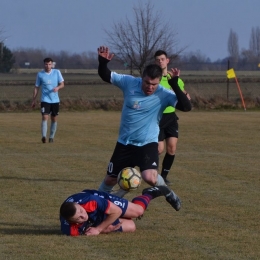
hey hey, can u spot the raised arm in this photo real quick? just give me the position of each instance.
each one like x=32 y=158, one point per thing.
x=184 y=103
x=104 y=56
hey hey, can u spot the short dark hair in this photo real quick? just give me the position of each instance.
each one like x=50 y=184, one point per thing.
x=152 y=71
x=67 y=210
x=47 y=60
x=159 y=53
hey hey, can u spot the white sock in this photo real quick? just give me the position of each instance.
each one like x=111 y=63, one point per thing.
x=104 y=187
x=120 y=193
x=53 y=129
x=44 y=128
x=160 y=181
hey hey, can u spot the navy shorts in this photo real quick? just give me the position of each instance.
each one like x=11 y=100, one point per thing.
x=50 y=108
x=168 y=126
x=145 y=157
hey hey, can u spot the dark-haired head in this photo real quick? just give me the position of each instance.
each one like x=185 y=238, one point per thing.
x=67 y=210
x=152 y=71
x=47 y=60
x=151 y=78
x=159 y=53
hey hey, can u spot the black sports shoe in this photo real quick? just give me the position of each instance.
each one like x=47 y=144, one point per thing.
x=44 y=139
x=174 y=200
x=50 y=140
x=170 y=196
x=156 y=191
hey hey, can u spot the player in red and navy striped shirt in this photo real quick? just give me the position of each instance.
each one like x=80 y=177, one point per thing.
x=92 y=212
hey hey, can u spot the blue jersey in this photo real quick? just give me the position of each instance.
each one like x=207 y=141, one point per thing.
x=141 y=113
x=96 y=203
x=49 y=81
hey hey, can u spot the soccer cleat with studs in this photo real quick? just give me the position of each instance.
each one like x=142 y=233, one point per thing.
x=174 y=200
x=156 y=191
x=170 y=196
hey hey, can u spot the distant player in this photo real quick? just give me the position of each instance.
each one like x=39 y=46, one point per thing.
x=93 y=212
x=51 y=81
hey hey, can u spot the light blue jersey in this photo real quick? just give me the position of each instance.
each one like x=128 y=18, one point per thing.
x=49 y=81
x=141 y=113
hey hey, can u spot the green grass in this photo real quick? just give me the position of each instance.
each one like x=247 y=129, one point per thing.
x=216 y=174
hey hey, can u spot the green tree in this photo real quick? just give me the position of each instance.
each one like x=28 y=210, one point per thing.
x=7 y=59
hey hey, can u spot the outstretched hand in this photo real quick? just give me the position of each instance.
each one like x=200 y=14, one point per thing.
x=174 y=72
x=103 y=51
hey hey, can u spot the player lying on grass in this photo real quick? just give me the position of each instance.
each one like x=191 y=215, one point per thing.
x=93 y=212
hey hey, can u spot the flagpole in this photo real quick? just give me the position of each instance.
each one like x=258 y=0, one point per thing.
x=241 y=96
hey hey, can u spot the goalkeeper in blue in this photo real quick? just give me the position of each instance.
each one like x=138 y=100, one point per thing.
x=144 y=102
x=93 y=212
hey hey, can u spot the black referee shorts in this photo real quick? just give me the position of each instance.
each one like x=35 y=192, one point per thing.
x=168 y=126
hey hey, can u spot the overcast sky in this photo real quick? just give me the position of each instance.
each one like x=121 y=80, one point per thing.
x=78 y=26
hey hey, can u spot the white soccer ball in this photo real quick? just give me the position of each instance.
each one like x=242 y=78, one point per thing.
x=129 y=179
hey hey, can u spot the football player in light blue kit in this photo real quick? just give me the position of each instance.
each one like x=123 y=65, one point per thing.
x=51 y=81
x=144 y=102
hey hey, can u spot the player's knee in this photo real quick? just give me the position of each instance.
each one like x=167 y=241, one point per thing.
x=160 y=151
x=171 y=150
x=131 y=227
x=150 y=176
x=160 y=147
x=110 y=181
x=139 y=211
x=128 y=226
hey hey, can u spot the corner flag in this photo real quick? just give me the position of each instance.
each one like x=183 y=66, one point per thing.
x=231 y=74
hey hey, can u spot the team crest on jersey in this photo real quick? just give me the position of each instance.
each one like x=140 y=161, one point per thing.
x=137 y=105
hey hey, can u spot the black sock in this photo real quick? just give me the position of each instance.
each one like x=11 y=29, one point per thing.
x=167 y=164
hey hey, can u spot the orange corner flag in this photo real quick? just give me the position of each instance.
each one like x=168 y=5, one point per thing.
x=231 y=74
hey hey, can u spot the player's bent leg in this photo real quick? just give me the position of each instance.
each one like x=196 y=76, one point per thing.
x=134 y=210
x=160 y=147
x=44 y=126
x=120 y=193
x=127 y=225
x=171 y=144
x=53 y=128
x=150 y=176
x=107 y=184
x=169 y=194
x=156 y=191
x=160 y=181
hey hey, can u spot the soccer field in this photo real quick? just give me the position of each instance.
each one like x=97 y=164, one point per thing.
x=216 y=175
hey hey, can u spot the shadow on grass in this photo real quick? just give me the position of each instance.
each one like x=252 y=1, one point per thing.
x=25 y=229
x=40 y=179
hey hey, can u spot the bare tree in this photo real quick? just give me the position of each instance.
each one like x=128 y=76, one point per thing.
x=134 y=43
x=254 y=43
x=233 y=47
x=1 y=42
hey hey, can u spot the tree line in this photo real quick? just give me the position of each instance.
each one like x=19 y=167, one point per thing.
x=245 y=59
x=134 y=44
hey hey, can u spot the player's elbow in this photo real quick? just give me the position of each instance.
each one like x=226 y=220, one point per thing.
x=184 y=107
